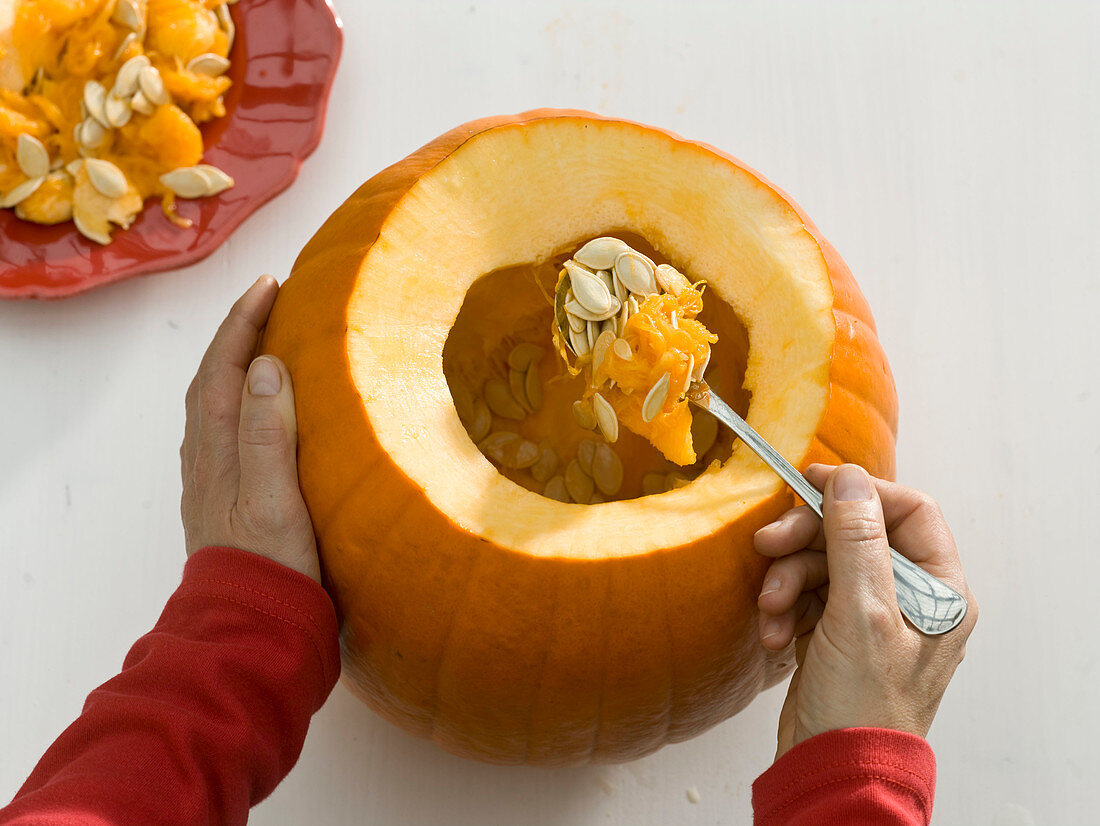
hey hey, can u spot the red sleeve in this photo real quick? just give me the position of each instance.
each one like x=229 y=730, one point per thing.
x=209 y=712
x=856 y=775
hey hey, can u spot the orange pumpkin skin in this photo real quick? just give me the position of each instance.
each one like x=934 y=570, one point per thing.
x=501 y=656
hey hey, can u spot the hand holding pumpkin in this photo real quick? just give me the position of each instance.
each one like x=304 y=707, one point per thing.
x=831 y=588
x=240 y=479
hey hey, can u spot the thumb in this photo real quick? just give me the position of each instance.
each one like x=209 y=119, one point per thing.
x=267 y=438
x=856 y=547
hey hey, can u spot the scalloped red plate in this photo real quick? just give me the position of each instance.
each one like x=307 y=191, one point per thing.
x=283 y=62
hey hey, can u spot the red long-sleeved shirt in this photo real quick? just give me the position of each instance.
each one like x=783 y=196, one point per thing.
x=211 y=709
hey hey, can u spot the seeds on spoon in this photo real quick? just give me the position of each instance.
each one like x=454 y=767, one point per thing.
x=636 y=272
x=655 y=398
x=589 y=290
x=600 y=253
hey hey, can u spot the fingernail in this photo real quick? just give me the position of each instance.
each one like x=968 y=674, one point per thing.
x=771 y=586
x=770 y=629
x=851 y=484
x=264 y=378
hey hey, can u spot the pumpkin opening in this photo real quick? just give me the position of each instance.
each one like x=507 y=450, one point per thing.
x=516 y=397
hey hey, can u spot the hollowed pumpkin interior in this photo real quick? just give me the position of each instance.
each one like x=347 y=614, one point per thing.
x=513 y=305
x=449 y=284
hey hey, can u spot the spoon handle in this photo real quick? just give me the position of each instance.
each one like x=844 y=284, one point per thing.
x=929 y=603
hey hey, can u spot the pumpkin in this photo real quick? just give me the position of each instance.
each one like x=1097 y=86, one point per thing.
x=502 y=624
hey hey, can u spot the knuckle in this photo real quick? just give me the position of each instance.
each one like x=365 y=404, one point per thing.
x=267 y=432
x=858 y=527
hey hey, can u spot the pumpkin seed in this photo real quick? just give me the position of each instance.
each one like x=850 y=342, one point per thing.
x=578 y=341
x=185 y=182
x=524 y=354
x=515 y=384
x=226 y=22
x=216 y=180
x=606 y=418
x=152 y=86
x=609 y=326
x=72 y=167
x=509 y=450
x=127 y=41
x=546 y=464
x=586 y=452
x=532 y=386
x=588 y=290
x=593 y=333
x=701 y=367
x=90 y=133
x=608 y=280
x=481 y=422
x=498 y=395
x=636 y=272
x=600 y=253
x=574 y=307
x=634 y=306
x=556 y=489
x=596 y=499
x=23 y=190
x=117 y=110
x=208 y=64
x=607 y=470
x=106 y=177
x=704 y=432
x=88 y=232
x=126 y=81
x=673 y=481
x=622 y=349
x=653 y=483
x=620 y=290
x=655 y=398
x=32 y=156
x=671 y=280
x=687 y=375
x=139 y=103
x=576 y=323
x=599 y=349
x=128 y=13
x=94 y=100
x=578 y=483
x=582 y=412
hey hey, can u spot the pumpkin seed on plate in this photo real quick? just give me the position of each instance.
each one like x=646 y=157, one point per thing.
x=152 y=86
x=208 y=64
x=23 y=190
x=94 y=100
x=32 y=157
x=126 y=81
x=139 y=103
x=107 y=178
x=186 y=182
x=117 y=110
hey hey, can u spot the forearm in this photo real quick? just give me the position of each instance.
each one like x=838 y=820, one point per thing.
x=210 y=710
x=869 y=776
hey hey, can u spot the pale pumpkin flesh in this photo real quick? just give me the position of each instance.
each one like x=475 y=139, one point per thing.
x=504 y=625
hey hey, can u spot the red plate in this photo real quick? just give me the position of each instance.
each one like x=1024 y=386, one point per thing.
x=283 y=62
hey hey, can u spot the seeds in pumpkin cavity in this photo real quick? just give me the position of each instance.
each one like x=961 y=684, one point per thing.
x=653 y=483
x=509 y=450
x=481 y=420
x=127 y=13
x=556 y=489
x=139 y=103
x=95 y=97
x=32 y=156
x=600 y=253
x=208 y=64
x=704 y=432
x=126 y=81
x=586 y=452
x=655 y=398
x=605 y=417
x=106 y=177
x=636 y=272
x=117 y=110
x=582 y=412
x=599 y=349
x=24 y=190
x=578 y=340
x=498 y=395
x=546 y=464
x=532 y=386
x=607 y=470
x=622 y=349
x=596 y=499
x=671 y=280
x=152 y=86
x=464 y=403
x=676 y=480
x=578 y=483
x=523 y=354
x=515 y=384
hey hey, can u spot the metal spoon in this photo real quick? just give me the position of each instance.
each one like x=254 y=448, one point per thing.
x=929 y=603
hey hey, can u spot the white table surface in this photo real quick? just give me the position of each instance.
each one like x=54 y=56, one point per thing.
x=950 y=151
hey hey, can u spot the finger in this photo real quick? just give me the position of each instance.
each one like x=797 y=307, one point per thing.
x=776 y=632
x=267 y=438
x=857 y=550
x=798 y=528
x=915 y=525
x=787 y=578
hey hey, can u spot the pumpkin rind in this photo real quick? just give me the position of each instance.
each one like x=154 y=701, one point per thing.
x=506 y=657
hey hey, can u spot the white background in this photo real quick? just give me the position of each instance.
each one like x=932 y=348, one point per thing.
x=951 y=152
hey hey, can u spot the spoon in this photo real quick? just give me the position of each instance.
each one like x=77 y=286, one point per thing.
x=929 y=603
